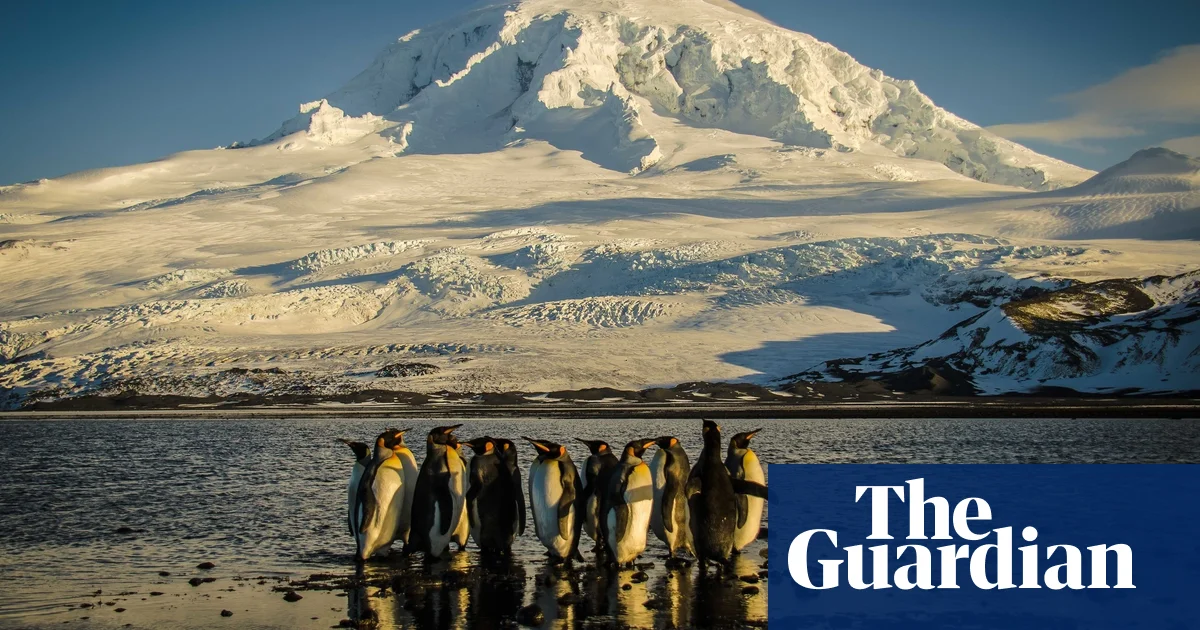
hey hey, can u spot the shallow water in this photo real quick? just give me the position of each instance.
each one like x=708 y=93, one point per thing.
x=266 y=498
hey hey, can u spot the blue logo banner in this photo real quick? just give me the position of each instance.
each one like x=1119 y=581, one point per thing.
x=984 y=546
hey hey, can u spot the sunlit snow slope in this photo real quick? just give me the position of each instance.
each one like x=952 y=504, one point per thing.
x=548 y=195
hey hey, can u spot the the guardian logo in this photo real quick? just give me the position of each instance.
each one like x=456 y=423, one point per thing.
x=981 y=547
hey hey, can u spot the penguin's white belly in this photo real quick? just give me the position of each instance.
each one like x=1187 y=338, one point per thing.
x=389 y=496
x=439 y=542
x=410 y=472
x=545 y=491
x=658 y=473
x=748 y=533
x=639 y=497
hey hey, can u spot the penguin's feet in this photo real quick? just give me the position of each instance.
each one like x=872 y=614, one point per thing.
x=677 y=563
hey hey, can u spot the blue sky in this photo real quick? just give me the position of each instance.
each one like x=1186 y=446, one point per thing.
x=90 y=84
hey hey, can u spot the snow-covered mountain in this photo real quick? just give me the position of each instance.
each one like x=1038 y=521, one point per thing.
x=1112 y=336
x=586 y=75
x=1154 y=194
x=1147 y=172
x=546 y=196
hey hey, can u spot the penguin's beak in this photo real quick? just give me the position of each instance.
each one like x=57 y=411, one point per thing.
x=446 y=430
x=541 y=447
x=753 y=433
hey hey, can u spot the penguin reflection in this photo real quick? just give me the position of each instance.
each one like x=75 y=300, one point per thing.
x=675 y=588
x=496 y=594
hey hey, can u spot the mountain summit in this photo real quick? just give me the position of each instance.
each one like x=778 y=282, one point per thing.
x=608 y=78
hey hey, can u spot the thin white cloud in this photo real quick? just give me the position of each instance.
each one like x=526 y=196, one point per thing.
x=1189 y=145
x=1166 y=91
x=1066 y=130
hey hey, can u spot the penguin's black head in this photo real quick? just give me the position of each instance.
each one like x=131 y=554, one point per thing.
x=547 y=450
x=508 y=450
x=360 y=449
x=392 y=438
x=712 y=434
x=442 y=435
x=597 y=447
x=665 y=442
x=482 y=445
x=637 y=448
x=742 y=440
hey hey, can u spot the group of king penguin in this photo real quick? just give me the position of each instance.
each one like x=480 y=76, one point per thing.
x=711 y=510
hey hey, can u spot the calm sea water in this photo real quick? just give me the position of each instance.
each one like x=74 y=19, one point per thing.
x=266 y=497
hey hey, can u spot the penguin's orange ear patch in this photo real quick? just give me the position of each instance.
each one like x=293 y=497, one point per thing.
x=488 y=447
x=562 y=451
x=674 y=441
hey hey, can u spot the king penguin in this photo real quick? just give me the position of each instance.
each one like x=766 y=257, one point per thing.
x=554 y=489
x=595 y=480
x=491 y=506
x=440 y=494
x=669 y=521
x=508 y=451
x=378 y=513
x=362 y=459
x=743 y=464
x=712 y=502
x=629 y=502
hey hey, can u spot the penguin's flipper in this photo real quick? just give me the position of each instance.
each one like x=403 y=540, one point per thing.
x=444 y=501
x=622 y=512
x=693 y=487
x=367 y=501
x=622 y=509
x=749 y=488
x=569 y=481
x=520 y=492
x=743 y=510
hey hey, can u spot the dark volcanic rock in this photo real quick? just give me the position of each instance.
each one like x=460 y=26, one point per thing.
x=639 y=577
x=196 y=581
x=750 y=590
x=226 y=613
x=292 y=596
x=205 y=566
x=404 y=370
x=124 y=530
x=593 y=394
